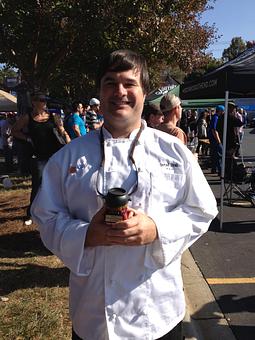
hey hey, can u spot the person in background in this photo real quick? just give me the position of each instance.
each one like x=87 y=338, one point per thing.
x=125 y=277
x=170 y=106
x=245 y=118
x=7 y=140
x=202 y=133
x=239 y=130
x=215 y=140
x=232 y=142
x=94 y=117
x=192 y=122
x=184 y=121
x=75 y=124
x=83 y=115
x=40 y=125
x=153 y=116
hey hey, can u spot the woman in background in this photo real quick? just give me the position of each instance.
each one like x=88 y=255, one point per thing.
x=40 y=126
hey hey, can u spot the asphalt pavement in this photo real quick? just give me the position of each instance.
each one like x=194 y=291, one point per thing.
x=219 y=269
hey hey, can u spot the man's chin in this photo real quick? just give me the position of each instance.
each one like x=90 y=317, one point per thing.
x=120 y=113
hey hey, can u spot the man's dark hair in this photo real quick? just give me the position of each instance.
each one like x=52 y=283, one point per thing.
x=75 y=105
x=124 y=60
x=150 y=109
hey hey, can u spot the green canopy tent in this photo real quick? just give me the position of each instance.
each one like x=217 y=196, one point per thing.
x=171 y=85
x=156 y=96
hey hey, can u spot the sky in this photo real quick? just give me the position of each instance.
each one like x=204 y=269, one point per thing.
x=232 y=18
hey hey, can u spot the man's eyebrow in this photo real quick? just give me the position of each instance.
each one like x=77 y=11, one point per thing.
x=109 y=77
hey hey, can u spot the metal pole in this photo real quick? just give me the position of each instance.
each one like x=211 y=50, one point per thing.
x=223 y=157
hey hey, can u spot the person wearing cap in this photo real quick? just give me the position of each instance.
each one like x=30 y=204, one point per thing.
x=153 y=116
x=40 y=125
x=94 y=119
x=125 y=277
x=215 y=140
x=75 y=124
x=170 y=106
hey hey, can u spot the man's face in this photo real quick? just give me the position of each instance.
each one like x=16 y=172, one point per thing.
x=156 y=120
x=96 y=108
x=122 y=99
x=80 y=108
x=39 y=103
x=178 y=112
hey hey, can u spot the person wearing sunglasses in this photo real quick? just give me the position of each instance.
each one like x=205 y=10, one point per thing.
x=37 y=129
x=125 y=277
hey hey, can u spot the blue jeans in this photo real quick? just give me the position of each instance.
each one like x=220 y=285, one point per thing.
x=216 y=156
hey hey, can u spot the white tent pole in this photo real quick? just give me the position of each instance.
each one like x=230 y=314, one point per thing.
x=223 y=157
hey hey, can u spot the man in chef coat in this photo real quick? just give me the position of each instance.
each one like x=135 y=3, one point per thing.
x=125 y=278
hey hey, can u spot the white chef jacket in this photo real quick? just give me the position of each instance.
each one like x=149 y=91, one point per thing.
x=124 y=292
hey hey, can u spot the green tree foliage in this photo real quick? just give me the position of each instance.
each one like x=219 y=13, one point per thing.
x=57 y=44
x=210 y=64
x=236 y=47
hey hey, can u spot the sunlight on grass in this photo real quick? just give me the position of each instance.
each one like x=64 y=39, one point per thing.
x=33 y=282
x=39 y=313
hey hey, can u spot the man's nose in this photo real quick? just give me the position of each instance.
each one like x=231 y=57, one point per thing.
x=120 y=90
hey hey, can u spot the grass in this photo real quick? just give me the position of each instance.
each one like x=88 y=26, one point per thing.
x=33 y=282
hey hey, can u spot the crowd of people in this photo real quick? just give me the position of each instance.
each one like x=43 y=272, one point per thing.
x=29 y=137
x=38 y=133
x=202 y=132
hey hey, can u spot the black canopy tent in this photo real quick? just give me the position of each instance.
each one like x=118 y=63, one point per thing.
x=236 y=76
x=234 y=79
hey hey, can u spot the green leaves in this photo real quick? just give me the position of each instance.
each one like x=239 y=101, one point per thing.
x=58 y=44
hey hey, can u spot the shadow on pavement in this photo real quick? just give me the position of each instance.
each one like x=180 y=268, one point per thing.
x=233 y=227
x=229 y=304
x=244 y=332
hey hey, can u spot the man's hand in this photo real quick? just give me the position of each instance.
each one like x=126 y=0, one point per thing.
x=138 y=229
x=97 y=231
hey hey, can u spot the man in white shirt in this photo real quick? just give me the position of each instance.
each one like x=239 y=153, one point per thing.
x=125 y=280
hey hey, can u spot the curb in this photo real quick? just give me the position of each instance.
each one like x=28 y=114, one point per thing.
x=204 y=319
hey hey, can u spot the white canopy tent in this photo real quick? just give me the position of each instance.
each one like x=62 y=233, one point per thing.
x=7 y=102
